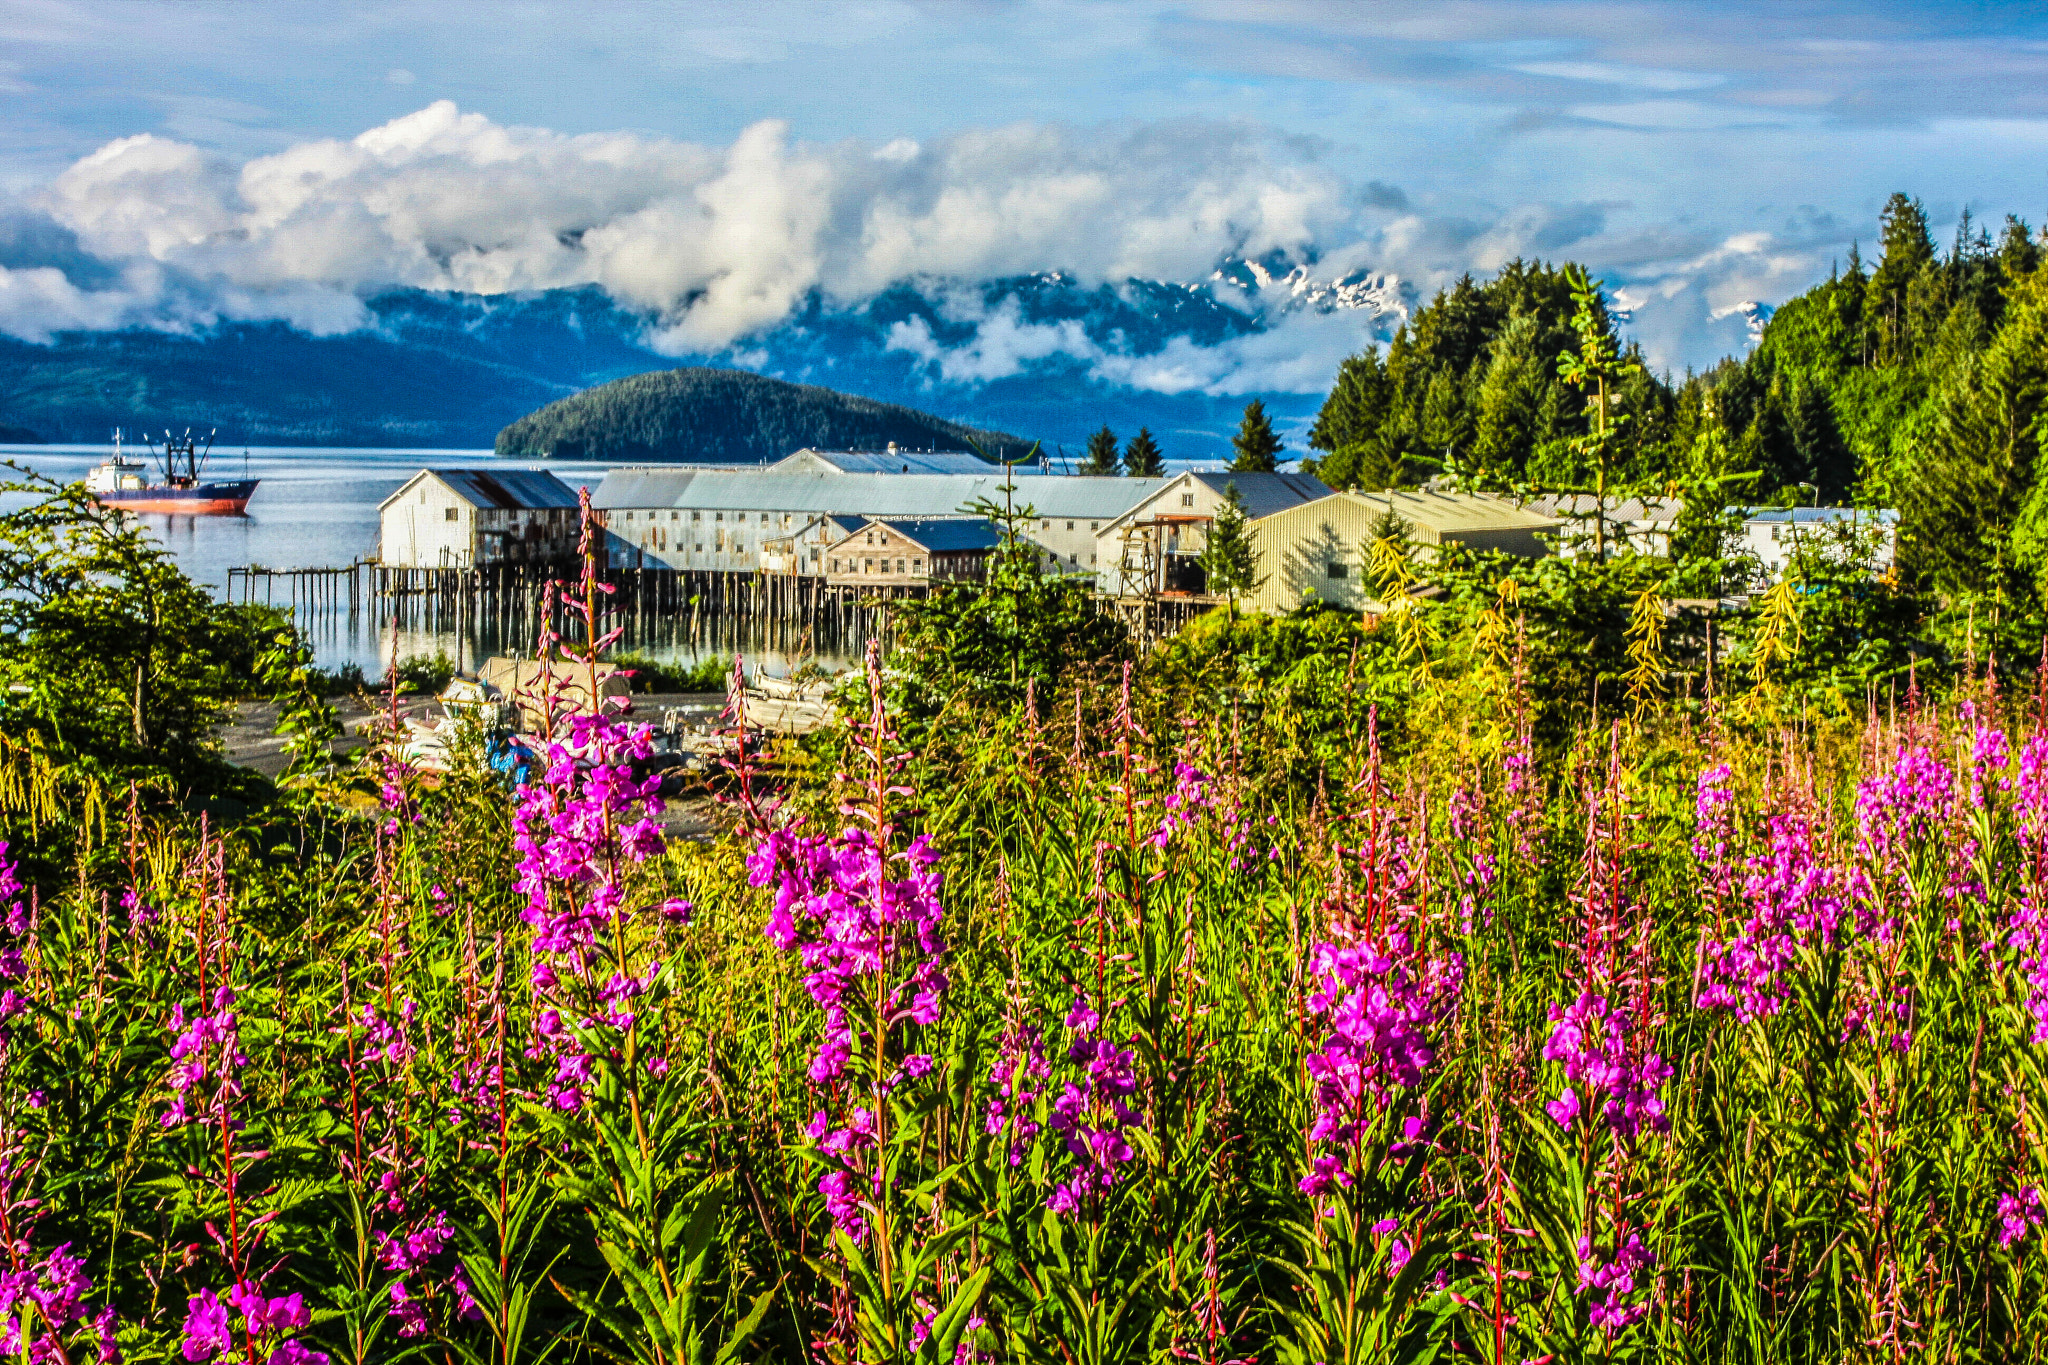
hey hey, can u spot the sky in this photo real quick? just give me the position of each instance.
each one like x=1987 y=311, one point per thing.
x=175 y=164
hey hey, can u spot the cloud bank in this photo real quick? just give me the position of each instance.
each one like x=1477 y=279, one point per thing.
x=716 y=244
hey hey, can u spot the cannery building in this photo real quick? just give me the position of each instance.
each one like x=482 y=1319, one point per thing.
x=743 y=520
x=467 y=518
x=913 y=553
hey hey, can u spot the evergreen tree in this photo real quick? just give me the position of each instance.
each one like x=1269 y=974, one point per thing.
x=1908 y=250
x=1596 y=368
x=1257 y=445
x=1142 y=459
x=1101 y=457
x=1357 y=406
x=1230 y=562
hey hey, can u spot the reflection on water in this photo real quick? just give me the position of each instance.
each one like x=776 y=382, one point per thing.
x=317 y=508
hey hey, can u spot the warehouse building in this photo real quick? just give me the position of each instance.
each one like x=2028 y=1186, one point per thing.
x=913 y=553
x=694 y=518
x=891 y=461
x=467 y=518
x=1318 y=551
x=1155 y=547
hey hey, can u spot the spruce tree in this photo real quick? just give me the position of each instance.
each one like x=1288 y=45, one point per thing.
x=1230 y=562
x=1142 y=459
x=1258 y=447
x=1101 y=457
x=1908 y=252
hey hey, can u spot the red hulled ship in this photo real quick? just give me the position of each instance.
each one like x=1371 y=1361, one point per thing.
x=123 y=483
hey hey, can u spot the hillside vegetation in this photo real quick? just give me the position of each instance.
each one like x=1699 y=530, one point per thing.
x=1915 y=382
x=728 y=416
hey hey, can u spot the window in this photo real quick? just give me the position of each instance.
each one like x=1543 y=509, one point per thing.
x=629 y=516
x=700 y=547
x=917 y=566
x=1339 y=569
x=867 y=566
x=1070 y=526
x=814 y=557
x=1187 y=500
x=719 y=517
x=899 y=566
x=1091 y=561
x=452 y=514
x=1095 y=526
x=675 y=516
x=871 y=537
x=1045 y=526
x=835 y=563
x=696 y=516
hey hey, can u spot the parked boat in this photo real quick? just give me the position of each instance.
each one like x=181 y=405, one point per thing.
x=122 y=482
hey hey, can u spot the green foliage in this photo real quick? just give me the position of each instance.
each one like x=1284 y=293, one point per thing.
x=1230 y=562
x=422 y=674
x=1102 y=458
x=109 y=655
x=1142 y=458
x=1256 y=444
x=730 y=415
x=708 y=674
x=981 y=644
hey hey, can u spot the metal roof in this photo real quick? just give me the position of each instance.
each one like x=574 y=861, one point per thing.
x=867 y=495
x=1265 y=494
x=510 y=489
x=941 y=534
x=895 y=462
x=1818 y=515
x=1455 y=511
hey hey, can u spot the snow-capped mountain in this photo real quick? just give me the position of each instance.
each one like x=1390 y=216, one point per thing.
x=1047 y=355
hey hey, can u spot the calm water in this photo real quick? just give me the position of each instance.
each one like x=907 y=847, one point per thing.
x=317 y=508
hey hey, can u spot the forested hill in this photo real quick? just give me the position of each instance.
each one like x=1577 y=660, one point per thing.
x=1916 y=382
x=729 y=416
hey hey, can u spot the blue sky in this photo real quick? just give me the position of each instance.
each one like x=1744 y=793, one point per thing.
x=172 y=163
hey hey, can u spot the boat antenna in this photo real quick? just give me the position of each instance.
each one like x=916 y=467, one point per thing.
x=164 y=460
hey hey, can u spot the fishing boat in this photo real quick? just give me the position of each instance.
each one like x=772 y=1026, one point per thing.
x=121 y=482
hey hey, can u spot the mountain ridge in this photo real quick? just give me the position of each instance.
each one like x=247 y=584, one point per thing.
x=441 y=369
x=726 y=416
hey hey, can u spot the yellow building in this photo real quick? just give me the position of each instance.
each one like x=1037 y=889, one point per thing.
x=1318 y=550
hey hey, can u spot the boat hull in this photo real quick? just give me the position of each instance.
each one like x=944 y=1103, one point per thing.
x=199 y=500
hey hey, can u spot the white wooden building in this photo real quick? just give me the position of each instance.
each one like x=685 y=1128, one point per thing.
x=1773 y=534
x=745 y=519
x=1154 y=546
x=466 y=518
x=913 y=552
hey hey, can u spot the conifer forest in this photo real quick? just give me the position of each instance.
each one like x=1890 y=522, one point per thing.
x=1536 y=970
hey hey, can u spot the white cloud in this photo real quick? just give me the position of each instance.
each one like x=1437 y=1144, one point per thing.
x=719 y=243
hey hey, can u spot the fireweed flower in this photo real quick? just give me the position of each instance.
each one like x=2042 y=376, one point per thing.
x=1093 y=1113
x=208 y=1048
x=1616 y=1279
x=1018 y=1076
x=1794 y=901
x=44 y=1302
x=873 y=960
x=2027 y=929
x=579 y=827
x=1901 y=816
x=1478 y=869
x=2018 y=1214
x=1601 y=1056
x=266 y=1325
x=1379 y=1003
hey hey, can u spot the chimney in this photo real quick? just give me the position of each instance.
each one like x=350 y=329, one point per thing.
x=892 y=447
